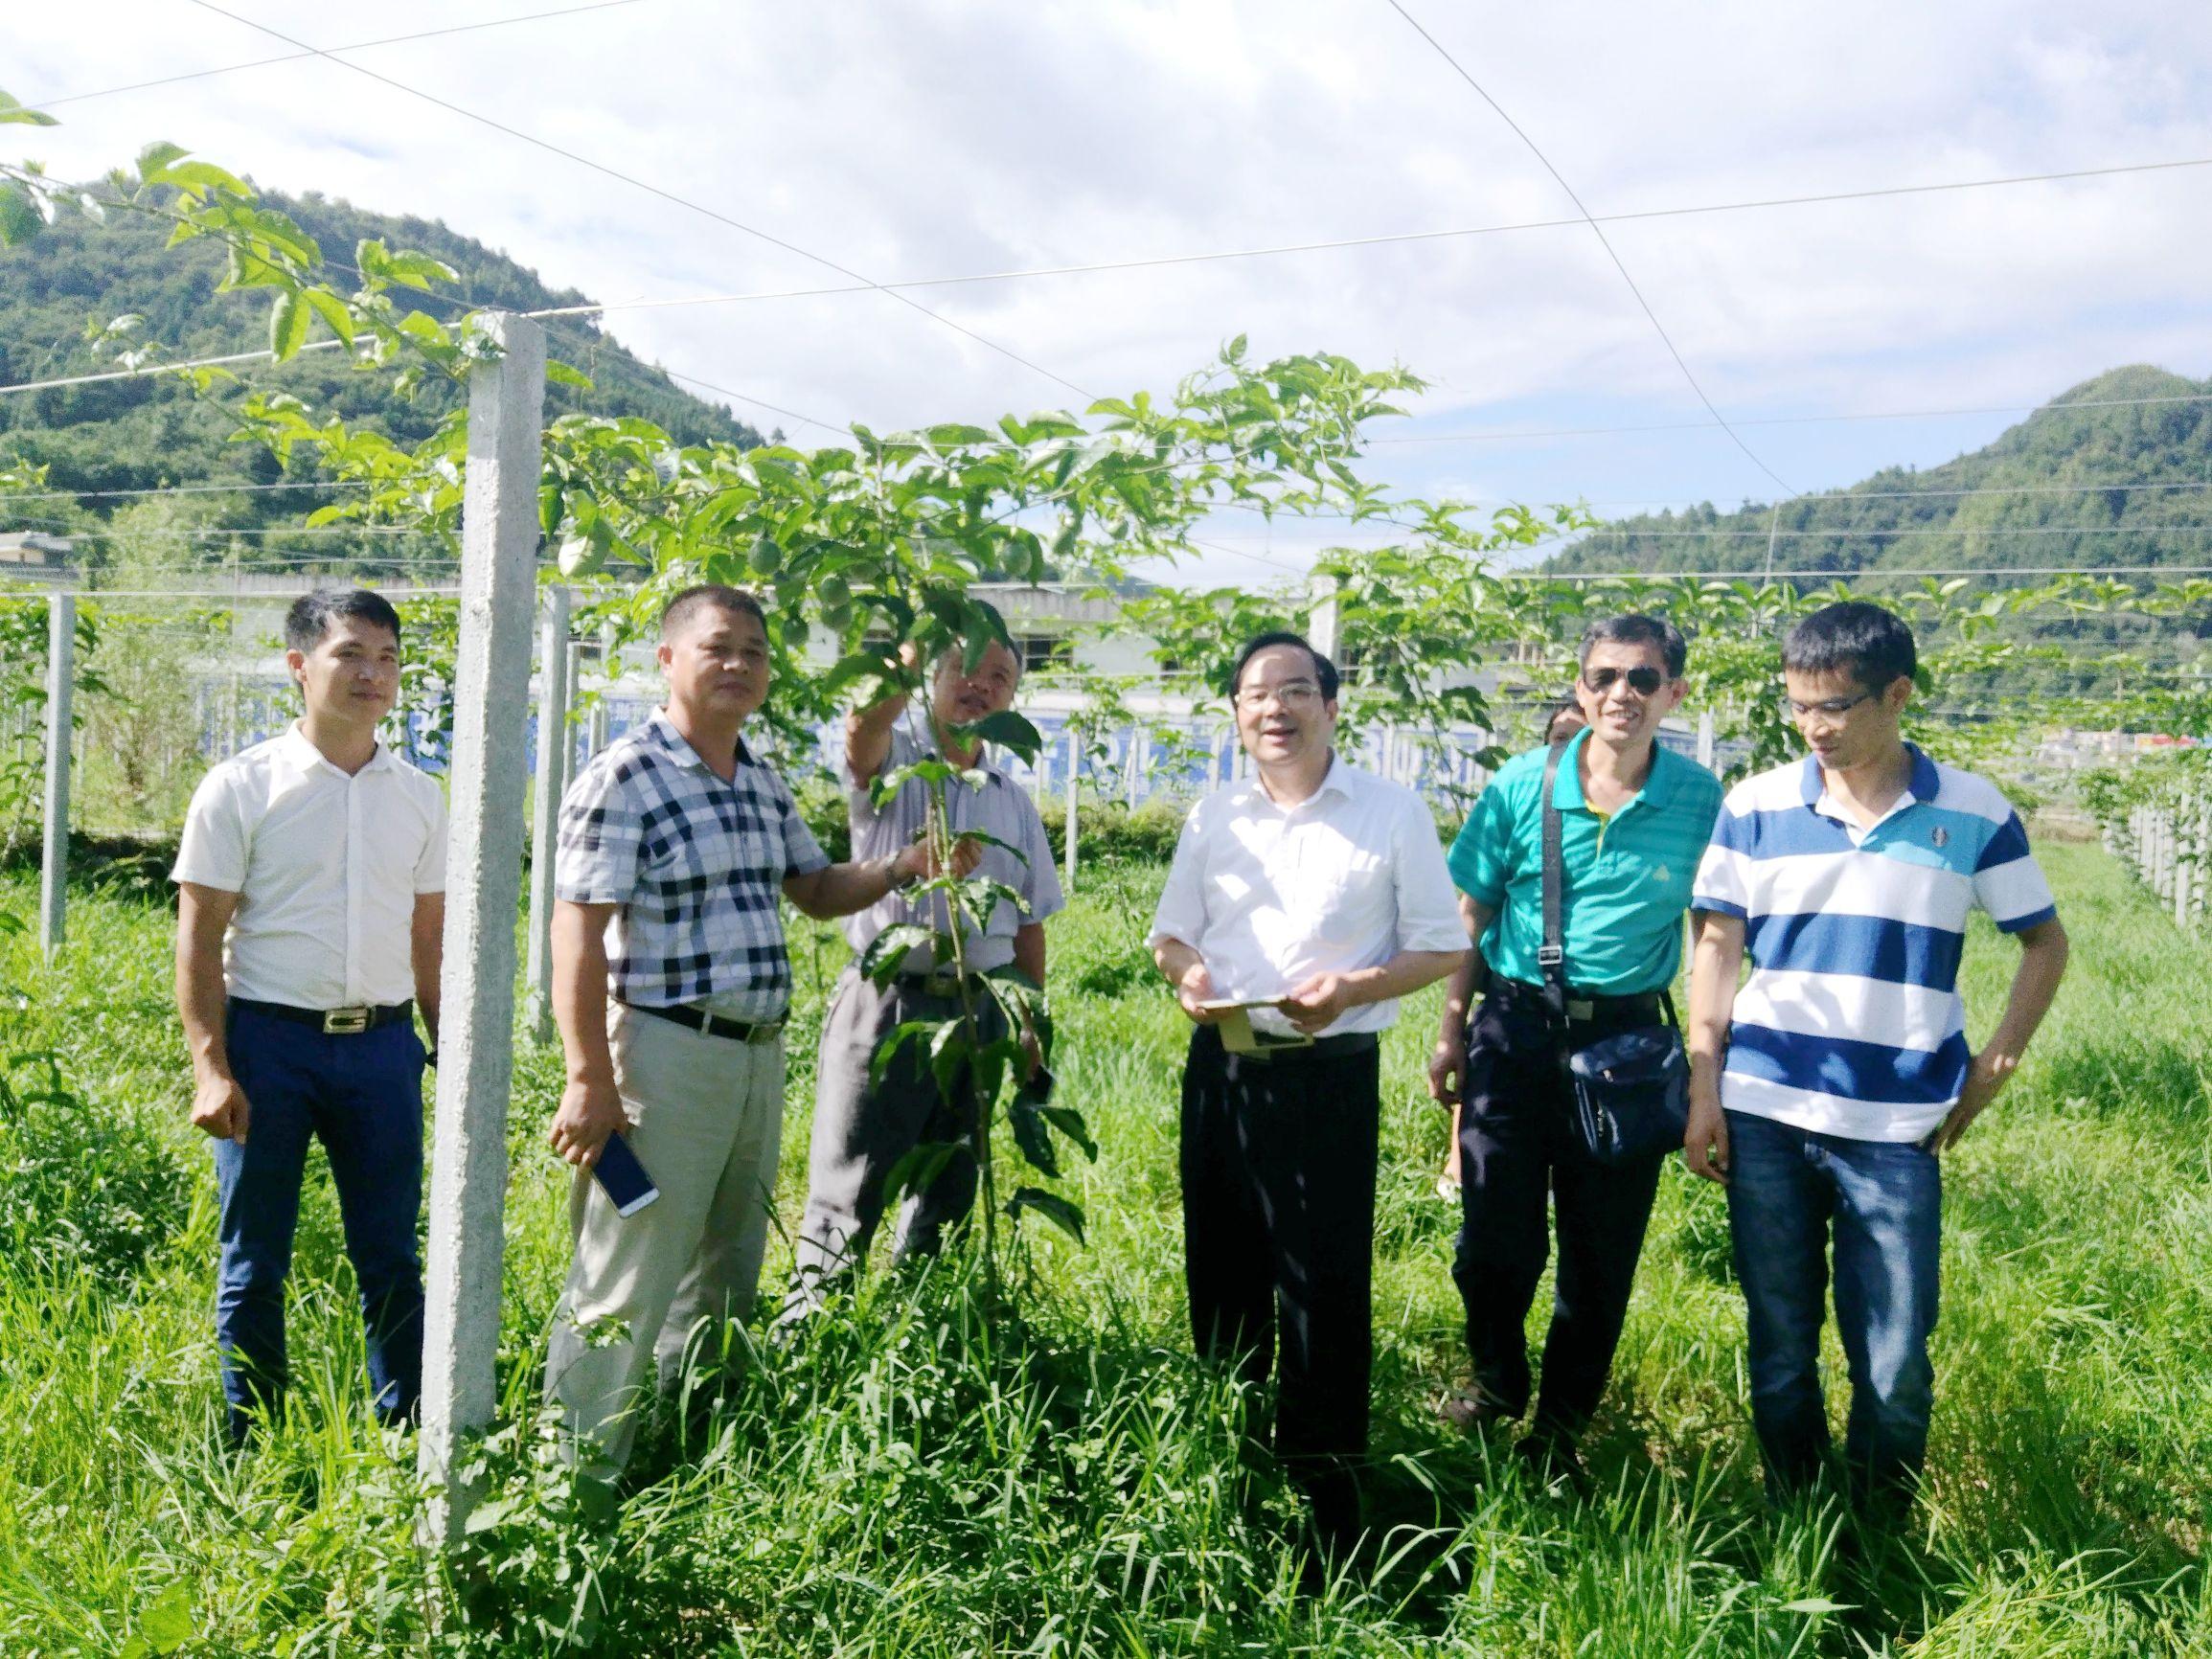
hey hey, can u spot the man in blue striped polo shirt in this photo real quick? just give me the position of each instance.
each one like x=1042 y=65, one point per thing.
x=1847 y=878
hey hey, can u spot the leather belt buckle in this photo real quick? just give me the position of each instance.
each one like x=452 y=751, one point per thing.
x=765 y=1033
x=1581 y=1008
x=346 y=1021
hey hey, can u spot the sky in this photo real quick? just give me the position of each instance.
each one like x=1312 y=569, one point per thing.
x=947 y=138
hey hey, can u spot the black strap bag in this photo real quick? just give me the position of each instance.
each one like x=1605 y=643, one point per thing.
x=1632 y=1087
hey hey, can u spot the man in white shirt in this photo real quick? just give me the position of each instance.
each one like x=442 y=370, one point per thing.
x=1317 y=893
x=310 y=909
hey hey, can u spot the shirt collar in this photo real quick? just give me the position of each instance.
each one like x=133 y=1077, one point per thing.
x=1338 y=780
x=662 y=730
x=1659 y=785
x=1922 y=786
x=302 y=753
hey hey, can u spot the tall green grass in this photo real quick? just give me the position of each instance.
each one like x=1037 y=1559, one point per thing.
x=910 y=1477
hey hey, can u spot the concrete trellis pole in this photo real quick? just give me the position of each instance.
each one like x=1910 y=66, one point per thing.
x=53 y=859
x=1707 y=739
x=483 y=877
x=569 y=702
x=1321 y=629
x=1074 y=787
x=545 y=808
x=609 y=669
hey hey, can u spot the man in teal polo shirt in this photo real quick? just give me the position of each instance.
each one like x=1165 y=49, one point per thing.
x=1636 y=818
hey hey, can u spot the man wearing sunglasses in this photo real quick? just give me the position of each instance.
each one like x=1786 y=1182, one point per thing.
x=1635 y=817
x=1822 y=1090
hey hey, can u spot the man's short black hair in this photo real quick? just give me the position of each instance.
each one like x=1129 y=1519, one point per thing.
x=1324 y=670
x=311 y=615
x=708 y=596
x=1638 y=629
x=1853 y=637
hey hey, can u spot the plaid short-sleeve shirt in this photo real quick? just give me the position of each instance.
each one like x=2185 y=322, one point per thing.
x=694 y=868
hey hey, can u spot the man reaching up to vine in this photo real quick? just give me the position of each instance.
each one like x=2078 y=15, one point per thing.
x=863 y=1125
x=1301 y=905
x=669 y=985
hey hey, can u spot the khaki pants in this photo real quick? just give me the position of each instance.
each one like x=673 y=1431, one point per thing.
x=706 y=1120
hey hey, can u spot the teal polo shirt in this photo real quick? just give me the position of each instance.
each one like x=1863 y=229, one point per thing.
x=1628 y=879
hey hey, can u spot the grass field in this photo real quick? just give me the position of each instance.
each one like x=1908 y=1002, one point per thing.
x=911 y=1479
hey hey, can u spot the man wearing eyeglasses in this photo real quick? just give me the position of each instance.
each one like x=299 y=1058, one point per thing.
x=1822 y=1091
x=1301 y=905
x=1635 y=817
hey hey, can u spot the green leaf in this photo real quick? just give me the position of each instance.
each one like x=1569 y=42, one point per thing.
x=1063 y=1214
x=289 y=325
x=20 y=219
x=333 y=310
x=1069 y=1122
x=1010 y=730
x=1815 y=1604
x=561 y=375
x=1034 y=1137
x=14 y=114
x=167 y=1625
x=156 y=156
x=904 y=1033
x=918 y=1170
x=886 y=952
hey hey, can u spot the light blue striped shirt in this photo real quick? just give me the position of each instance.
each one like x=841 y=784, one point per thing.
x=1850 y=1022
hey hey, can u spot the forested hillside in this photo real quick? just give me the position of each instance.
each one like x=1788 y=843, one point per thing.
x=78 y=276
x=2150 y=463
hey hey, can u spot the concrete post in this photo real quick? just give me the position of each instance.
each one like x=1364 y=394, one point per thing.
x=1133 y=767
x=1707 y=739
x=1321 y=630
x=545 y=811
x=609 y=669
x=568 y=733
x=483 y=887
x=1074 y=787
x=53 y=858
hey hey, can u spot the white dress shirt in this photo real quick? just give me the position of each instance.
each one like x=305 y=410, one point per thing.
x=325 y=868
x=1270 y=895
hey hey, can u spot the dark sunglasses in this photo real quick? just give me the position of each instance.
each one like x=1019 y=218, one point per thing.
x=1644 y=682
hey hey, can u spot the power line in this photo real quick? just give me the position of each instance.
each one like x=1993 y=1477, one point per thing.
x=1863 y=573
x=240 y=488
x=1508 y=433
x=1915 y=530
x=1331 y=244
x=1597 y=230
x=356 y=46
x=650 y=189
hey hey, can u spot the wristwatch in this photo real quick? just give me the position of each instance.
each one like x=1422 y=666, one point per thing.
x=897 y=883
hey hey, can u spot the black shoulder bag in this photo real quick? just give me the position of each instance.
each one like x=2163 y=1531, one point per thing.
x=1632 y=1087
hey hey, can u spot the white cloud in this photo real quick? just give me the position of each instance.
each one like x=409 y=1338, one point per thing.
x=944 y=136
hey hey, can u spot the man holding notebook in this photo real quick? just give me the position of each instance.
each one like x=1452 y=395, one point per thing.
x=1301 y=903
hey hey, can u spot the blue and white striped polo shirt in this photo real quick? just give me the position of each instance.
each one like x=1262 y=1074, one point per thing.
x=1850 y=1022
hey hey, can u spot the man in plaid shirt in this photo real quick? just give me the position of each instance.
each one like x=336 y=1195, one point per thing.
x=671 y=984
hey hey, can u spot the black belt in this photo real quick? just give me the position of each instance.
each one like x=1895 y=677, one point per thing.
x=1327 y=1048
x=1589 y=1008
x=334 y=1021
x=714 y=1025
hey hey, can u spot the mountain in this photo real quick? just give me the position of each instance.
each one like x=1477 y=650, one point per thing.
x=2074 y=488
x=140 y=433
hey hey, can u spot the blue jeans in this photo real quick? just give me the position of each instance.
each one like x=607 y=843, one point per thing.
x=1786 y=1186
x=362 y=1095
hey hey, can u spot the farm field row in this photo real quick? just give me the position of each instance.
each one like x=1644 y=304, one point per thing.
x=908 y=1478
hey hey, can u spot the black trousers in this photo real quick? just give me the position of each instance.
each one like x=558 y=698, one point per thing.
x=1516 y=1144
x=1278 y=1169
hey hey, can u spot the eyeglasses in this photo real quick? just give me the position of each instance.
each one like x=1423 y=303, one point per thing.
x=1833 y=708
x=1644 y=682
x=1297 y=694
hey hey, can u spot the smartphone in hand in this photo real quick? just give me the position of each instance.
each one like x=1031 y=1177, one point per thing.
x=623 y=1178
